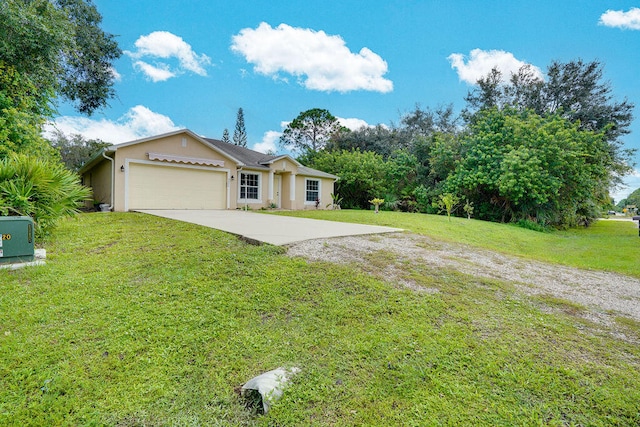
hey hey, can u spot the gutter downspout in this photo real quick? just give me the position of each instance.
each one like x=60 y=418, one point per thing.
x=113 y=176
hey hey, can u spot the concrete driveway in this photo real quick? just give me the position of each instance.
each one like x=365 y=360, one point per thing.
x=273 y=229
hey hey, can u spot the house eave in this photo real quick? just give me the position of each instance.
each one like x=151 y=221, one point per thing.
x=96 y=159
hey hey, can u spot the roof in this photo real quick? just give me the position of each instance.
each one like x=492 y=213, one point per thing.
x=303 y=170
x=247 y=157
x=257 y=160
x=244 y=157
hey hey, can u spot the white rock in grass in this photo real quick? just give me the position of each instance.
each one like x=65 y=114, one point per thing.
x=269 y=385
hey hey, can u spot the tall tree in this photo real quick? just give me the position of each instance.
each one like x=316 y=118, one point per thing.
x=574 y=91
x=75 y=150
x=311 y=131
x=49 y=50
x=58 y=47
x=379 y=139
x=225 y=136
x=240 y=134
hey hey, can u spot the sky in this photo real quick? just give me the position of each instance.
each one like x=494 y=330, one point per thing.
x=192 y=64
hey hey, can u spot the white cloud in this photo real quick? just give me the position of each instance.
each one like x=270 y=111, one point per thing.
x=138 y=122
x=618 y=19
x=319 y=61
x=354 y=124
x=269 y=142
x=156 y=74
x=165 y=45
x=481 y=62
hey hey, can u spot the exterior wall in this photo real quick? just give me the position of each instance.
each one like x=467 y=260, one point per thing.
x=99 y=180
x=180 y=144
x=326 y=191
x=326 y=188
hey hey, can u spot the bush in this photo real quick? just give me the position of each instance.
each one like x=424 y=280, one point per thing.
x=39 y=188
x=531 y=225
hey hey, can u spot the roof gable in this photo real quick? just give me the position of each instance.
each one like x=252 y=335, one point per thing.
x=283 y=157
x=198 y=138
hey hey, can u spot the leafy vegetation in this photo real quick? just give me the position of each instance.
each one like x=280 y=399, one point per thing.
x=632 y=200
x=138 y=320
x=20 y=128
x=362 y=174
x=521 y=166
x=310 y=131
x=39 y=188
x=57 y=47
x=49 y=49
x=447 y=203
x=524 y=149
x=75 y=150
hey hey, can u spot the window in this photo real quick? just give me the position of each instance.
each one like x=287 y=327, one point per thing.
x=312 y=190
x=249 y=186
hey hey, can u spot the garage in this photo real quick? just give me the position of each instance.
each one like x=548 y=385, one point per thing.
x=170 y=186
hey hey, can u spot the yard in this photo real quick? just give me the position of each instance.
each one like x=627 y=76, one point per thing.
x=138 y=320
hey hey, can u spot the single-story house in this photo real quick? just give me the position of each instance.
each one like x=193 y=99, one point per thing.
x=181 y=170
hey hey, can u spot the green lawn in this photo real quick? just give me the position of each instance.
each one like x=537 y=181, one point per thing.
x=142 y=321
x=606 y=245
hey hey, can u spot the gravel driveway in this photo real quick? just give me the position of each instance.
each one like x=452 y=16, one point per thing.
x=603 y=294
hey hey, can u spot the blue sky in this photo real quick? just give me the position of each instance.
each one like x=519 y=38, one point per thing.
x=192 y=64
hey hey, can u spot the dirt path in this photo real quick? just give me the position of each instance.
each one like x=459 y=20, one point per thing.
x=604 y=294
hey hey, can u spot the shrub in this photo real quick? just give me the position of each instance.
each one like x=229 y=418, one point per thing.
x=39 y=188
x=531 y=225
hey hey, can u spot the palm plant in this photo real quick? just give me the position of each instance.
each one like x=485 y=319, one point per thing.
x=39 y=188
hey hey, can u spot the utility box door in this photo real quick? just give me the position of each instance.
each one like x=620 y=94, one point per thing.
x=16 y=239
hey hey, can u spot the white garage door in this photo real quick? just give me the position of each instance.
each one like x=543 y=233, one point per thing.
x=175 y=187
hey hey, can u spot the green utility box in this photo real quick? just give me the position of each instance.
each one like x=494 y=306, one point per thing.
x=16 y=239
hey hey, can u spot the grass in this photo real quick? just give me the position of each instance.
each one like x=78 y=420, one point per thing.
x=606 y=245
x=142 y=321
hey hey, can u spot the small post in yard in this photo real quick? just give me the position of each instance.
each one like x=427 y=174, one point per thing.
x=637 y=218
x=376 y=202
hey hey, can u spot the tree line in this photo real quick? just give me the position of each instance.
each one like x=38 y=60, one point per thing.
x=523 y=149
